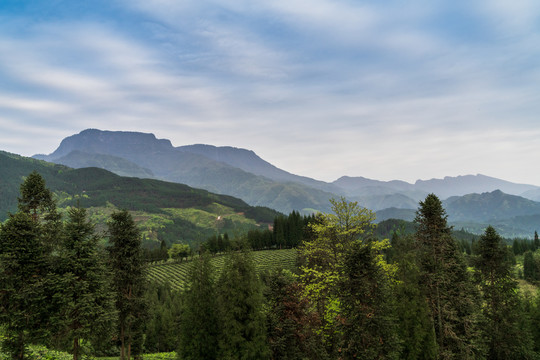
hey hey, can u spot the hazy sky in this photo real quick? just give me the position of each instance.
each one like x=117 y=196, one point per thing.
x=321 y=88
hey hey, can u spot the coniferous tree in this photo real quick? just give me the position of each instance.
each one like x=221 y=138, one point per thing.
x=415 y=328
x=86 y=289
x=292 y=325
x=240 y=303
x=367 y=309
x=23 y=269
x=530 y=270
x=199 y=325
x=28 y=264
x=450 y=294
x=507 y=339
x=129 y=279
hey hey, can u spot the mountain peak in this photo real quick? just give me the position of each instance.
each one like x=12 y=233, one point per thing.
x=107 y=142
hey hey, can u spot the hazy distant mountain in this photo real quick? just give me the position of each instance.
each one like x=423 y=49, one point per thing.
x=248 y=161
x=443 y=188
x=78 y=159
x=533 y=194
x=468 y=184
x=243 y=174
x=380 y=202
x=189 y=166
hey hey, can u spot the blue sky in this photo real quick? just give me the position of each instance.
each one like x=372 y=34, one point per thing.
x=323 y=88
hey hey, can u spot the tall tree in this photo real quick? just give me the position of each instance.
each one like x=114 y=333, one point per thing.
x=415 y=327
x=367 y=309
x=451 y=296
x=199 y=325
x=322 y=257
x=86 y=289
x=240 y=303
x=507 y=339
x=22 y=276
x=129 y=279
x=27 y=265
x=292 y=324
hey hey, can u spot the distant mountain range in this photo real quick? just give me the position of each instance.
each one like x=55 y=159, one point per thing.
x=243 y=174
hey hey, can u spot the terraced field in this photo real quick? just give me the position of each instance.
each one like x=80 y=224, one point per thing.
x=176 y=273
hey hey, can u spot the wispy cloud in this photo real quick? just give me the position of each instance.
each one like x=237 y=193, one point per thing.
x=322 y=88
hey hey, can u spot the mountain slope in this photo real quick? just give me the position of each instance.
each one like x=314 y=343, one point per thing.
x=489 y=207
x=250 y=162
x=164 y=210
x=120 y=166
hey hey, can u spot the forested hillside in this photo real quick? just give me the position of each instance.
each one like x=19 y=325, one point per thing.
x=179 y=212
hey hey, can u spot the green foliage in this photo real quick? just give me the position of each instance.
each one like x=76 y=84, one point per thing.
x=415 y=326
x=87 y=298
x=367 y=311
x=199 y=322
x=128 y=280
x=240 y=304
x=23 y=271
x=506 y=338
x=179 y=251
x=447 y=285
x=323 y=255
x=291 y=322
x=161 y=327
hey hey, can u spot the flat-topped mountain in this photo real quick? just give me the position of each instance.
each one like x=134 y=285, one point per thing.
x=197 y=166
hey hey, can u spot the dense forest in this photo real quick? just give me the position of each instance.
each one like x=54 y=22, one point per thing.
x=358 y=290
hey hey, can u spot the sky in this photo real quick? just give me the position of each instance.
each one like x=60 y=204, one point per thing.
x=386 y=90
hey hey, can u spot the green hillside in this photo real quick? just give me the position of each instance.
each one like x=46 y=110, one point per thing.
x=164 y=211
x=176 y=273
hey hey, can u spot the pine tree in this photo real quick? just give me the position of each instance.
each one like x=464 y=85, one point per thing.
x=367 y=310
x=28 y=278
x=23 y=268
x=507 y=339
x=240 y=303
x=86 y=289
x=444 y=278
x=129 y=279
x=415 y=328
x=199 y=325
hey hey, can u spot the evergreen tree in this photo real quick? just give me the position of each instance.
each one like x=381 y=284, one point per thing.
x=367 y=310
x=530 y=270
x=451 y=297
x=29 y=282
x=507 y=339
x=292 y=325
x=415 y=327
x=23 y=268
x=35 y=198
x=199 y=325
x=240 y=303
x=129 y=279
x=86 y=290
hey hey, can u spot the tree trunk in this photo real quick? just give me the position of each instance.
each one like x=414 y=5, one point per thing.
x=76 y=349
x=122 y=345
